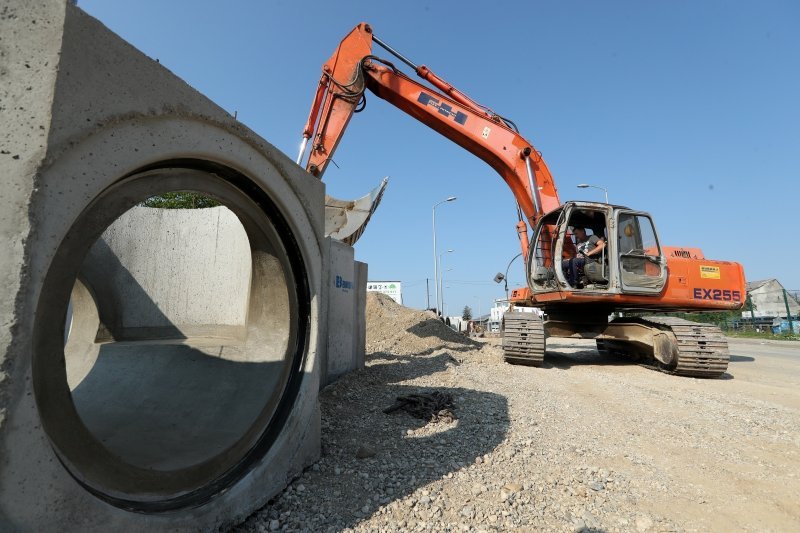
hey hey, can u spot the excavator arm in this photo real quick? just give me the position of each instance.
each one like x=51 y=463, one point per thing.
x=352 y=69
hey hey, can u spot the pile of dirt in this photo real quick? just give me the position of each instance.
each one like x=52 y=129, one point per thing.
x=393 y=328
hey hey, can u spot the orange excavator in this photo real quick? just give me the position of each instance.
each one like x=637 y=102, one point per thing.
x=626 y=270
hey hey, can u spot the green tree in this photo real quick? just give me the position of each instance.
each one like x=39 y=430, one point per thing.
x=180 y=200
x=467 y=314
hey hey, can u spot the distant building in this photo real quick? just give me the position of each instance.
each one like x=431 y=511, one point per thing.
x=392 y=289
x=498 y=310
x=768 y=302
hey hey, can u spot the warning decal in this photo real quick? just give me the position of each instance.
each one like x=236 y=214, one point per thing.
x=709 y=272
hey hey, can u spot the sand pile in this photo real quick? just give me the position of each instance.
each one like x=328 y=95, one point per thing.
x=392 y=328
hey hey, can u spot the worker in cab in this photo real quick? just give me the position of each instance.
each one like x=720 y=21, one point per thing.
x=589 y=248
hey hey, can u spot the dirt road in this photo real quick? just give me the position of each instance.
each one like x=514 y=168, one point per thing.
x=585 y=443
x=719 y=455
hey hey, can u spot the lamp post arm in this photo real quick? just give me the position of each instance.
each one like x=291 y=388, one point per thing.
x=507 y=269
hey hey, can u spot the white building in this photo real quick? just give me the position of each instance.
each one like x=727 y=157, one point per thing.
x=392 y=289
x=767 y=296
x=498 y=310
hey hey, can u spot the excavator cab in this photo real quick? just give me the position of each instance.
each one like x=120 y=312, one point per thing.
x=631 y=262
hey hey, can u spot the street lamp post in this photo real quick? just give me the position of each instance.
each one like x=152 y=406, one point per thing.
x=441 y=284
x=586 y=186
x=504 y=277
x=439 y=290
x=435 y=257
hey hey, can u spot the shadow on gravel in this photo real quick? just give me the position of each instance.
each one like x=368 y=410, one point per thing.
x=395 y=368
x=583 y=358
x=431 y=327
x=371 y=459
x=564 y=361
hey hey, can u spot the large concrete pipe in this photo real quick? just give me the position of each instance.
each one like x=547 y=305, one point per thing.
x=120 y=411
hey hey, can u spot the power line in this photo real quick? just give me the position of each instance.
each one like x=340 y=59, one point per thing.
x=470 y=282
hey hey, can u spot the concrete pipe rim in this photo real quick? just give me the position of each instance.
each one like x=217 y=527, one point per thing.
x=105 y=475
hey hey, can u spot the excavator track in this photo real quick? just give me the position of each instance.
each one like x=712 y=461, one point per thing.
x=523 y=339
x=702 y=349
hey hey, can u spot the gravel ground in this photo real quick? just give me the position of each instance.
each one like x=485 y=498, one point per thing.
x=585 y=443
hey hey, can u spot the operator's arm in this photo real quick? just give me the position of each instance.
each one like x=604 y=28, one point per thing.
x=598 y=247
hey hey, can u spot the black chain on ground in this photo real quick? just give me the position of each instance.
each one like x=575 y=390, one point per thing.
x=433 y=407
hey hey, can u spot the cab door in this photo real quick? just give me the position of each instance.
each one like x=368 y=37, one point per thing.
x=642 y=265
x=543 y=265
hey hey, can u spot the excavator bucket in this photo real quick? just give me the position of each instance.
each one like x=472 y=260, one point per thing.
x=345 y=220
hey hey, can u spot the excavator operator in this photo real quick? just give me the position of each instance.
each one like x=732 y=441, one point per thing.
x=589 y=247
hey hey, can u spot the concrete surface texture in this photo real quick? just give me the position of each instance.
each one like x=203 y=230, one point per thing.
x=92 y=128
x=168 y=295
x=177 y=271
x=346 y=300
x=28 y=69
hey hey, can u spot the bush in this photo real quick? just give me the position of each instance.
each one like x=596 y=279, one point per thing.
x=180 y=200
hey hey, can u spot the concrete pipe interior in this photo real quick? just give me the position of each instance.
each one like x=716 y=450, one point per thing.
x=169 y=343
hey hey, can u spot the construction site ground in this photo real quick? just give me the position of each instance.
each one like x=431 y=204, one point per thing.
x=584 y=443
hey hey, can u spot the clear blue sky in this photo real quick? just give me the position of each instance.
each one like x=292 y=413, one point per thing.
x=689 y=110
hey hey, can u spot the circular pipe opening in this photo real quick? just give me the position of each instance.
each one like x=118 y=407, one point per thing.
x=165 y=364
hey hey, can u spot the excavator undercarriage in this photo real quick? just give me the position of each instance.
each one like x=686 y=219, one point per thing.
x=680 y=347
x=672 y=345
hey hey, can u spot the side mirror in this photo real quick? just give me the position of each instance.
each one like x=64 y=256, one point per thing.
x=499 y=277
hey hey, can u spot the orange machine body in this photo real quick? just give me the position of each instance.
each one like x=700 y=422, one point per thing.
x=692 y=282
x=693 y=285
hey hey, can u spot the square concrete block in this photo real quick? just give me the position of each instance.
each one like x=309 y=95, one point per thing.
x=346 y=333
x=91 y=127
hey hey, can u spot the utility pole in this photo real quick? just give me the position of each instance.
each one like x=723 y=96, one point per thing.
x=788 y=312
x=427 y=294
x=435 y=255
x=752 y=314
x=439 y=285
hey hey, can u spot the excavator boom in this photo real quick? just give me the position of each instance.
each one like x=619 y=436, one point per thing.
x=352 y=69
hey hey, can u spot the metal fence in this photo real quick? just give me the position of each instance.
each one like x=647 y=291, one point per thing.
x=781 y=324
x=743 y=321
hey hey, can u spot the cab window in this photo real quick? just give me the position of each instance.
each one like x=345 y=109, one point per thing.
x=639 y=253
